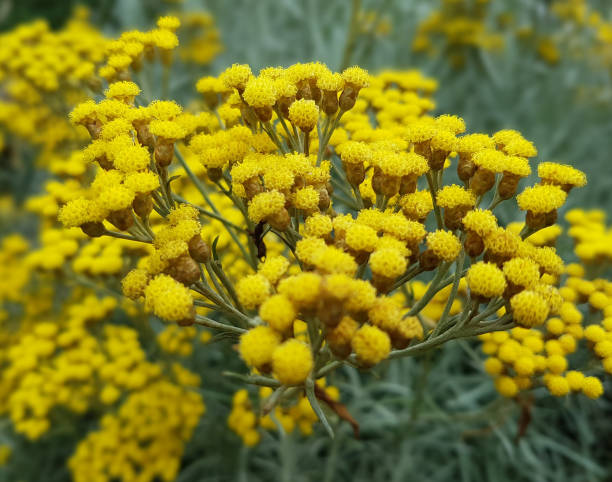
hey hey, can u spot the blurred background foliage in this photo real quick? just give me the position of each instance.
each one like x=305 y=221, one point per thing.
x=422 y=419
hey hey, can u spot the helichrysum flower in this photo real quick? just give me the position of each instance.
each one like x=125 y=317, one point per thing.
x=259 y=92
x=371 y=345
x=542 y=198
x=561 y=175
x=592 y=387
x=278 y=312
x=444 y=244
x=253 y=290
x=486 y=280
x=529 y=308
x=135 y=283
x=266 y=204
x=304 y=114
x=522 y=272
x=292 y=362
x=257 y=346
x=169 y=299
x=388 y=263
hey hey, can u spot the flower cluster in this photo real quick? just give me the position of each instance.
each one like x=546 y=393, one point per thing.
x=460 y=25
x=144 y=440
x=245 y=422
x=313 y=218
x=521 y=358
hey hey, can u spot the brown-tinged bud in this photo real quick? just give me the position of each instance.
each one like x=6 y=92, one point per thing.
x=94 y=128
x=280 y=220
x=465 y=168
x=341 y=350
x=252 y=187
x=437 y=159
x=264 y=114
x=93 y=229
x=315 y=92
x=186 y=322
x=482 y=181
x=413 y=246
x=408 y=184
x=382 y=283
x=121 y=219
x=511 y=289
x=551 y=217
x=324 y=199
x=124 y=75
x=142 y=205
x=144 y=134
x=424 y=149
x=428 y=260
x=348 y=97
x=184 y=270
x=360 y=256
x=355 y=173
x=214 y=173
x=303 y=90
x=329 y=102
x=535 y=220
x=453 y=216
x=474 y=245
x=104 y=162
x=283 y=105
x=390 y=185
x=164 y=152
x=199 y=249
x=149 y=52
x=507 y=186
x=298 y=182
x=248 y=114
x=330 y=311
x=377 y=178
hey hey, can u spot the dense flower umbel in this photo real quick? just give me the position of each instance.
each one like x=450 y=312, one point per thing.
x=273 y=152
x=523 y=358
x=293 y=213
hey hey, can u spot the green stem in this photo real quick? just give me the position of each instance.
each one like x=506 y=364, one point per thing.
x=115 y=234
x=433 y=191
x=205 y=321
x=431 y=291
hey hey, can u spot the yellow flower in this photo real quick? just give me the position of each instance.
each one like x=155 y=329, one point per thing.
x=292 y=362
x=486 y=280
x=257 y=346
x=304 y=114
x=529 y=308
x=371 y=345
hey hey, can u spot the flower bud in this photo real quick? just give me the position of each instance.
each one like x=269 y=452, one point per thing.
x=264 y=114
x=280 y=220
x=214 y=173
x=164 y=151
x=184 y=270
x=428 y=260
x=474 y=245
x=121 y=219
x=329 y=102
x=93 y=229
x=482 y=181
x=465 y=168
x=508 y=185
x=142 y=205
x=199 y=249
